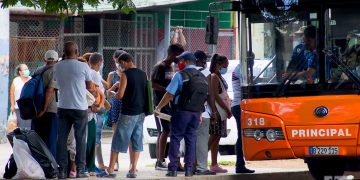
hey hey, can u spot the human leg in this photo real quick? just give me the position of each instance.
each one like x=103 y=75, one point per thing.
x=90 y=148
x=190 y=142
x=202 y=135
x=80 y=122
x=64 y=126
x=179 y=124
x=98 y=150
x=240 y=162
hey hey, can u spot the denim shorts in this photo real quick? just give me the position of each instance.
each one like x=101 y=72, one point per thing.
x=129 y=129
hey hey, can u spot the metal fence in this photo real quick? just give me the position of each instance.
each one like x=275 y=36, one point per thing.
x=195 y=40
x=136 y=37
x=30 y=39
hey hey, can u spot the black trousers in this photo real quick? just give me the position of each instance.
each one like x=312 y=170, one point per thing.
x=240 y=162
x=67 y=119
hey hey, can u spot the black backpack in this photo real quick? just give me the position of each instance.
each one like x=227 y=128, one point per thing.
x=194 y=91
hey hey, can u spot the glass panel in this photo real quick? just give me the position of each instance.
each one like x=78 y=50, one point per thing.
x=281 y=52
x=343 y=41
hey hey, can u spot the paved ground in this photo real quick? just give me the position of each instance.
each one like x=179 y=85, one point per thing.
x=146 y=164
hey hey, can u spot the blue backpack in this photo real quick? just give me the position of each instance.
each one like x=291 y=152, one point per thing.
x=32 y=96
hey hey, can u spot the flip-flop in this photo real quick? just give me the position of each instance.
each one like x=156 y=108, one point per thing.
x=116 y=167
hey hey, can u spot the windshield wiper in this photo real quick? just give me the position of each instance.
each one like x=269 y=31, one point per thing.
x=343 y=67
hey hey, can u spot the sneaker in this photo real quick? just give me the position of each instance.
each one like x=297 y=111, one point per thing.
x=81 y=174
x=244 y=170
x=161 y=166
x=72 y=174
x=218 y=169
x=106 y=174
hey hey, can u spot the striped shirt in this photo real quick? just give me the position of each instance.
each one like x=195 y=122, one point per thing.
x=236 y=84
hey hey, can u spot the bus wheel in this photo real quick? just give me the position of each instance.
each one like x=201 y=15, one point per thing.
x=321 y=167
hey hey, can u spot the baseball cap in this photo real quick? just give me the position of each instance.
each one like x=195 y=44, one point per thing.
x=51 y=55
x=201 y=55
x=185 y=55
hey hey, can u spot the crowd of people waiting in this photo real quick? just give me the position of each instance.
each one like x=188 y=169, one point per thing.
x=71 y=120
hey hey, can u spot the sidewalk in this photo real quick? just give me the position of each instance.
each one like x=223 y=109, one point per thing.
x=146 y=164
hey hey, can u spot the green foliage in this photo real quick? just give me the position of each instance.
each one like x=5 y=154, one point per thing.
x=69 y=6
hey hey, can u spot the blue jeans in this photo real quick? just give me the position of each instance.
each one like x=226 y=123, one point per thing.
x=240 y=162
x=129 y=129
x=183 y=125
x=47 y=128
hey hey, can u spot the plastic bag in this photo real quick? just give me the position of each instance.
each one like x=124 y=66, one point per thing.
x=12 y=122
x=27 y=166
x=38 y=149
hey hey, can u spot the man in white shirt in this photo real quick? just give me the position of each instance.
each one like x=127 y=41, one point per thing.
x=202 y=133
x=73 y=78
x=235 y=109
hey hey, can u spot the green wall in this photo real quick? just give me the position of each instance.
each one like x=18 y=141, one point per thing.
x=194 y=19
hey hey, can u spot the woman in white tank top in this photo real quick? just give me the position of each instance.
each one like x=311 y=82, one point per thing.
x=23 y=76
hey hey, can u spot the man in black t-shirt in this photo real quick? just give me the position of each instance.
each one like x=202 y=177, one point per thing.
x=161 y=77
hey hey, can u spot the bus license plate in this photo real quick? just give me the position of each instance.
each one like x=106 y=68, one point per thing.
x=324 y=150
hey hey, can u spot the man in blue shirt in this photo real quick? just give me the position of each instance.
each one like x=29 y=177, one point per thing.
x=304 y=60
x=184 y=122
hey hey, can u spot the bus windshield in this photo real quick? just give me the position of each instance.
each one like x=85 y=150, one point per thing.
x=287 y=58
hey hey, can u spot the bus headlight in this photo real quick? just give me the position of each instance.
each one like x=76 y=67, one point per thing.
x=258 y=134
x=271 y=134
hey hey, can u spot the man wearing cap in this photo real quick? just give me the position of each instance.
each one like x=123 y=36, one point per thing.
x=186 y=114
x=304 y=60
x=45 y=125
x=202 y=133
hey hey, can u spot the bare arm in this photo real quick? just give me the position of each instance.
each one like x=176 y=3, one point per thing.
x=307 y=74
x=12 y=97
x=122 y=87
x=182 y=39
x=215 y=82
x=109 y=79
x=49 y=94
x=102 y=97
x=174 y=39
x=211 y=99
x=164 y=101
x=105 y=84
x=107 y=105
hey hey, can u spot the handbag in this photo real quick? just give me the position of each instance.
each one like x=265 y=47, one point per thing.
x=225 y=97
x=149 y=102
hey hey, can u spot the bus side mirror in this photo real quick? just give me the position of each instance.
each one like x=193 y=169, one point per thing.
x=212 y=30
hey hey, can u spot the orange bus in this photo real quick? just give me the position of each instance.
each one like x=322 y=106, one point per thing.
x=314 y=116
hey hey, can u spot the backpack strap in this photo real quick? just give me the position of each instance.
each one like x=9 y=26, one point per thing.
x=45 y=68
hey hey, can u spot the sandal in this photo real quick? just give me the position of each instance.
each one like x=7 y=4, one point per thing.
x=92 y=173
x=116 y=167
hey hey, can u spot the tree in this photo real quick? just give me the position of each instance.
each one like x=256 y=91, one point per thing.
x=69 y=6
